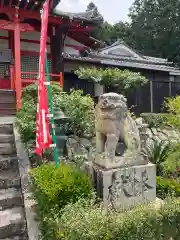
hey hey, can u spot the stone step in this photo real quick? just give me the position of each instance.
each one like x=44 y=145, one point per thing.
x=9 y=179
x=7 y=148
x=7 y=112
x=9 y=99
x=6 y=128
x=10 y=198
x=25 y=237
x=12 y=222
x=6 y=138
x=9 y=104
x=8 y=162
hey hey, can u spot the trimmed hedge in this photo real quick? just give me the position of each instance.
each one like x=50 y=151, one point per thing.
x=167 y=186
x=56 y=187
x=87 y=221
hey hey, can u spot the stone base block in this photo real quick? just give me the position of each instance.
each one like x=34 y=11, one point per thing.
x=125 y=187
x=119 y=161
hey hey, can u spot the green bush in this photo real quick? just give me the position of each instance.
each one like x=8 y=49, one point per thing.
x=84 y=220
x=171 y=166
x=173 y=107
x=157 y=153
x=155 y=120
x=167 y=186
x=78 y=107
x=81 y=111
x=55 y=187
x=26 y=117
x=121 y=80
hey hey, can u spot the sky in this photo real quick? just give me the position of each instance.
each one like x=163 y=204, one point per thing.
x=112 y=10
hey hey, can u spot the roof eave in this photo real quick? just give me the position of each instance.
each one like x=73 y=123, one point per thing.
x=121 y=64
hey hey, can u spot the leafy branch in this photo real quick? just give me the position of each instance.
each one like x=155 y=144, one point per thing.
x=122 y=80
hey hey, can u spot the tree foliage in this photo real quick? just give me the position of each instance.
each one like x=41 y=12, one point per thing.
x=107 y=32
x=92 y=6
x=97 y=32
x=154 y=29
x=122 y=80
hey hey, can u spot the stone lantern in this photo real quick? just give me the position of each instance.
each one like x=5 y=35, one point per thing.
x=61 y=124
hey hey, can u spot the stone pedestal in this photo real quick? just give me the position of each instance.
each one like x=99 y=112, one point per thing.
x=124 y=187
x=120 y=161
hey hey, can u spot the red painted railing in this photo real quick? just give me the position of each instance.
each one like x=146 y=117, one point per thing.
x=31 y=77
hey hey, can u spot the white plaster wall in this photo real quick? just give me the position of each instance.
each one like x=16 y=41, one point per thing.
x=71 y=41
x=25 y=46
x=3 y=44
x=4 y=33
x=71 y=50
x=32 y=36
x=34 y=47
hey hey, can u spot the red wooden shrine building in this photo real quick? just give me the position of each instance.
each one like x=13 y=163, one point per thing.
x=20 y=25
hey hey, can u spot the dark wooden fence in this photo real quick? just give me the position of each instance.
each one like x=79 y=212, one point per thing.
x=71 y=81
x=149 y=98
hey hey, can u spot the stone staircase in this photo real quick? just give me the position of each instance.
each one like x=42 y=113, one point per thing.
x=7 y=102
x=12 y=216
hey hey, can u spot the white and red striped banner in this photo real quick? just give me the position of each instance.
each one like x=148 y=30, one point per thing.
x=43 y=138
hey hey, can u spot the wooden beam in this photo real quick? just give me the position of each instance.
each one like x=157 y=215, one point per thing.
x=27 y=2
x=75 y=25
x=18 y=3
x=10 y=26
x=10 y=3
x=81 y=29
x=2 y=3
x=17 y=52
x=11 y=41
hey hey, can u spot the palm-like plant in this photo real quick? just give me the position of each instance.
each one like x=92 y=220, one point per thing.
x=157 y=153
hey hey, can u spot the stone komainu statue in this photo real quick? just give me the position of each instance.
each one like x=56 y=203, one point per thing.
x=113 y=125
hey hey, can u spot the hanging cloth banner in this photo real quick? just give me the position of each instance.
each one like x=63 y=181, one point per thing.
x=43 y=138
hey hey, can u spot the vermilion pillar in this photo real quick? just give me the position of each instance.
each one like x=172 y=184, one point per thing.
x=17 y=61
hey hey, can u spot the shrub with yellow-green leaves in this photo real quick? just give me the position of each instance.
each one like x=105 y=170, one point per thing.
x=121 y=80
x=84 y=220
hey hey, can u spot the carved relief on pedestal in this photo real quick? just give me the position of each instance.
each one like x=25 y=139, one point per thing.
x=127 y=184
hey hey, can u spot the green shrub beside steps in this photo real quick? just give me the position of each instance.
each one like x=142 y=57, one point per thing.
x=56 y=187
x=75 y=105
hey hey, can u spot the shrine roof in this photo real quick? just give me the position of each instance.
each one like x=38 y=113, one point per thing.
x=86 y=39
x=34 y=5
x=125 y=63
x=88 y=16
x=120 y=54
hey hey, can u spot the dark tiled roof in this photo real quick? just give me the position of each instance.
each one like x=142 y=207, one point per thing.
x=137 y=57
x=144 y=59
x=88 y=16
x=124 y=63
